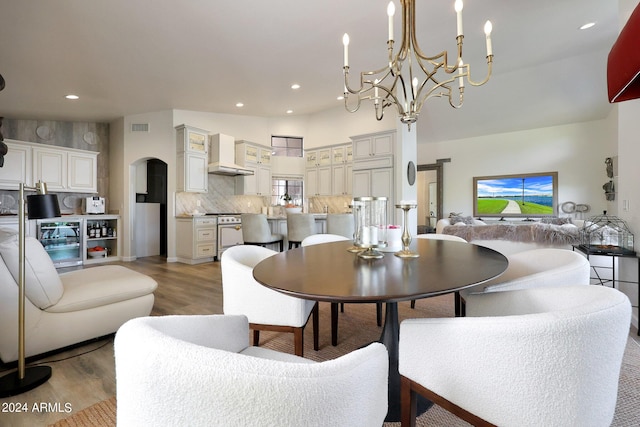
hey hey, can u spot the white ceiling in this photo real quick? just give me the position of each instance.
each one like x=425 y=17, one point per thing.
x=125 y=57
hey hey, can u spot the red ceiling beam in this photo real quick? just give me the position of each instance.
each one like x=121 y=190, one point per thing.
x=623 y=64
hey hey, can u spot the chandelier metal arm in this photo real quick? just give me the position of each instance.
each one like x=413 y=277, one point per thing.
x=409 y=96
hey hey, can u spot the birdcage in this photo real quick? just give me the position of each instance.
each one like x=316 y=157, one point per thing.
x=606 y=234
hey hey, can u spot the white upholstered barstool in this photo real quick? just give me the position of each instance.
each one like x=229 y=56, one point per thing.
x=340 y=224
x=299 y=226
x=256 y=231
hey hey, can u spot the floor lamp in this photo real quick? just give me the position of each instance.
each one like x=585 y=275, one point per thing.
x=40 y=206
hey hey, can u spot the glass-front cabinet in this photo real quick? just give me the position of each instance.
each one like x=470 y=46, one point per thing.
x=62 y=240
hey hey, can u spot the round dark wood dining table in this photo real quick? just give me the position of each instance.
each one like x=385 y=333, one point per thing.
x=328 y=272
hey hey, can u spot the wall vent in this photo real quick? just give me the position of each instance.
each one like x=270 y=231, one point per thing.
x=139 y=127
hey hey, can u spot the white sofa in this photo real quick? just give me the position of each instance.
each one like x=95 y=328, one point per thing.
x=68 y=308
x=511 y=242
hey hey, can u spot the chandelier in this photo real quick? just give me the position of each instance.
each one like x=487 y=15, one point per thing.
x=398 y=83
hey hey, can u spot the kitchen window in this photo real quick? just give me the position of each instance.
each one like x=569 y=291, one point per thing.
x=290 y=146
x=286 y=185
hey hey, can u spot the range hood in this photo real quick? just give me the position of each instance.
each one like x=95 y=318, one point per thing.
x=222 y=153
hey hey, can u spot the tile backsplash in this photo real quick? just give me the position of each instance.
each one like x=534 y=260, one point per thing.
x=222 y=198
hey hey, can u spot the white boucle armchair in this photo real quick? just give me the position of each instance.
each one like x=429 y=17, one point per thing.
x=535 y=268
x=267 y=310
x=201 y=371
x=533 y=357
x=67 y=308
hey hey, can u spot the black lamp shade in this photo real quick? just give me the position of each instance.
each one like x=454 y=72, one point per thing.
x=41 y=206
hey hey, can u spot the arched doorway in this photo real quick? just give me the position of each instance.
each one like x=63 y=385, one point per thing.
x=151 y=208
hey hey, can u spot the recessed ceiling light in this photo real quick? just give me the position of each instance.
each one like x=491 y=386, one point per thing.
x=289 y=111
x=340 y=98
x=295 y=86
x=72 y=97
x=239 y=104
x=587 y=25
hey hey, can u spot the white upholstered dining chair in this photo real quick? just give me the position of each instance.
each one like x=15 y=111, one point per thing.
x=267 y=310
x=531 y=357
x=457 y=303
x=200 y=371
x=536 y=268
x=317 y=239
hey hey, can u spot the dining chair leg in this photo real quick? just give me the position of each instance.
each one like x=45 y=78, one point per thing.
x=379 y=313
x=457 y=304
x=298 y=341
x=316 y=327
x=408 y=403
x=413 y=303
x=256 y=338
x=334 y=324
x=341 y=307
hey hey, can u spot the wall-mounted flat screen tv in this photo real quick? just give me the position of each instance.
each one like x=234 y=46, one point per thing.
x=530 y=195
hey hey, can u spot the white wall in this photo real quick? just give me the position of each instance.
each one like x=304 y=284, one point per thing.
x=576 y=151
x=128 y=149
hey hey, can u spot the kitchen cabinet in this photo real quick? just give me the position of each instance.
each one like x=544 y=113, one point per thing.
x=342 y=180
x=101 y=231
x=192 y=140
x=377 y=183
x=319 y=157
x=381 y=144
x=82 y=172
x=192 y=173
x=196 y=239
x=318 y=181
x=17 y=166
x=341 y=170
x=258 y=159
x=192 y=148
x=62 y=169
x=65 y=170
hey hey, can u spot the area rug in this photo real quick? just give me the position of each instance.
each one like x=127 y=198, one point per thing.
x=357 y=327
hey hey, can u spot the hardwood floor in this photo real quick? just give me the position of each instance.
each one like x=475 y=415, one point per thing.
x=85 y=375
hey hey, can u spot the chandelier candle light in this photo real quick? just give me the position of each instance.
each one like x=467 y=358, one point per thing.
x=396 y=86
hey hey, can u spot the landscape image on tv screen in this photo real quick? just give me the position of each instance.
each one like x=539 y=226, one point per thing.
x=525 y=195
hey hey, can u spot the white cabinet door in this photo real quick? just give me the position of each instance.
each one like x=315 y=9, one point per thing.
x=324 y=181
x=361 y=183
x=376 y=183
x=264 y=181
x=311 y=183
x=197 y=173
x=17 y=167
x=258 y=184
x=50 y=167
x=318 y=182
x=192 y=174
x=82 y=172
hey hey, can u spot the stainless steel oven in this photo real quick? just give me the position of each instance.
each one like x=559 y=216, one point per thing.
x=62 y=240
x=229 y=232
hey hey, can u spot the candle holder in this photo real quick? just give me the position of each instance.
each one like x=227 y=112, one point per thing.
x=406 y=236
x=370 y=218
x=355 y=209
